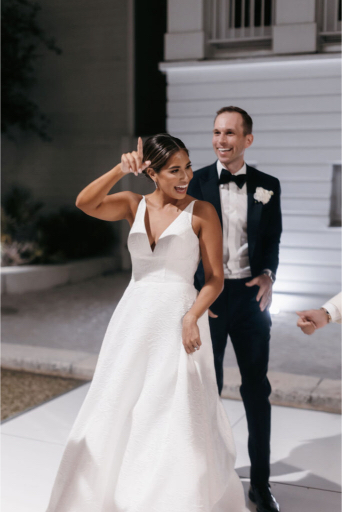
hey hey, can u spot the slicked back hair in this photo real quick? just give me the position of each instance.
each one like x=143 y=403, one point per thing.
x=159 y=149
x=246 y=118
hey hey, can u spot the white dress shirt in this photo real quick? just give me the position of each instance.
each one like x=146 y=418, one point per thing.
x=234 y=223
x=334 y=308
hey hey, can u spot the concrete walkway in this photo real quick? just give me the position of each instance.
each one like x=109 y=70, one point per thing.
x=60 y=331
x=305 y=455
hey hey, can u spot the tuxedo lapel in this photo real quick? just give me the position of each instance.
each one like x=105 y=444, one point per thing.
x=210 y=189
x=254 y=209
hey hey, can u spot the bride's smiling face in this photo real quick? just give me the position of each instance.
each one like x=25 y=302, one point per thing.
x=173 y=179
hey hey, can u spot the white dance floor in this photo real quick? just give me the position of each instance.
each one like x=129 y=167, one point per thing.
x=306 y=454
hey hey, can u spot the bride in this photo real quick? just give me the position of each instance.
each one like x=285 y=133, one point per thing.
x=152 y=434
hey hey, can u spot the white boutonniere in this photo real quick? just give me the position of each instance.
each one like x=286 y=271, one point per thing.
x=262 y=195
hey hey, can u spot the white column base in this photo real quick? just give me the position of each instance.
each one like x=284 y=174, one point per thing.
x=295 y=38
x=185 y=45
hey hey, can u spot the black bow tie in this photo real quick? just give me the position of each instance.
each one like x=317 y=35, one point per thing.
x=227 y=177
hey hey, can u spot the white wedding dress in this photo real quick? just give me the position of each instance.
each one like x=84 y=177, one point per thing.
x=152 y=434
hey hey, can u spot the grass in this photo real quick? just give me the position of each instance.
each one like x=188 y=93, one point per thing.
x=22 y=390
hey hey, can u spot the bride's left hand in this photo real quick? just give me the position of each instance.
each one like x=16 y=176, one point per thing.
x=191 y=334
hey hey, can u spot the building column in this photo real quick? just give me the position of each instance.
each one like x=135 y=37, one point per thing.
x=295 y=29
x=185 y=37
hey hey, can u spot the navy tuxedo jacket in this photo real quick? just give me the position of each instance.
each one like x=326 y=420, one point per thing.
x=264 y=224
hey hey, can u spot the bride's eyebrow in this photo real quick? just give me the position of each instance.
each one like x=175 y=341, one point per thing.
x=178 y=166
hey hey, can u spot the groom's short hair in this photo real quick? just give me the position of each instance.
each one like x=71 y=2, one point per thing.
x=246 y=118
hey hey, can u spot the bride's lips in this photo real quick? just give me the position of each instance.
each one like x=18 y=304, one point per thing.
x=181 y=189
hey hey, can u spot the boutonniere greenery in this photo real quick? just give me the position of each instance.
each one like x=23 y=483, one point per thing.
x=262 y=195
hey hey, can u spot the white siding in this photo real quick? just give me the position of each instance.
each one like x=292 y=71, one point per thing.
x=295 y=106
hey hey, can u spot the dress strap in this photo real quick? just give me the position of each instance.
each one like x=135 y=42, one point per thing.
x=140 y=213
x=190 y=209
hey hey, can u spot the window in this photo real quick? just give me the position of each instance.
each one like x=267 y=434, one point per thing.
x=242 y=21
x=329 y=24
x=335 y=204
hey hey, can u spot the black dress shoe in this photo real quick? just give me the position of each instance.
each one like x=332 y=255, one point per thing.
x=264 y=499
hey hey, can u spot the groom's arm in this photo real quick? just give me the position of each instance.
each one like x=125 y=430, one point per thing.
x=270 y=249
x=271 y=238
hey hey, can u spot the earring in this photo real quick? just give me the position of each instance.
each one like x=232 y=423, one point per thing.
x=156 y=184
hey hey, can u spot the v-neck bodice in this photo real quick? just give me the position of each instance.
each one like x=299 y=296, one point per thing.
x=176 y=254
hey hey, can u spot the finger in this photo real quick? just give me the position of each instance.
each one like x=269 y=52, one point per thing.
x=302 y=323
x=138 y=161
x=186 y=348
x=261 y=293
x=303 y=313
x=124 y=163
x=140 y=148
x=264 y=302
x=211 y=314
x=309 y=329
x=189 y=345
x=132 y=163
x=307 y=325
x=198 y=342
x=268 y=300
x=145 y=165
x=252 y=283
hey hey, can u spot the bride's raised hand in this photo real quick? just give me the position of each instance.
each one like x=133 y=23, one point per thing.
x=133 y=162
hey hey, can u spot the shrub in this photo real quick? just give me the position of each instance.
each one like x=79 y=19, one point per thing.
x=70 y=234
x=29 y=236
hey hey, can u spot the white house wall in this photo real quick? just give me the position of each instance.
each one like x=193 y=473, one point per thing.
x=295 y=106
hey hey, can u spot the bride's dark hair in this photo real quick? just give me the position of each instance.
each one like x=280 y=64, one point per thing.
x=159 y=148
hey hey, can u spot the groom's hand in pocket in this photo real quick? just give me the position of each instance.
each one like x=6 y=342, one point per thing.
x=211 y=314
x=265 y=290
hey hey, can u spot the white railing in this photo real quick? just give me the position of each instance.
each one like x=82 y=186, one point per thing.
x=330 y=17
x=241 y=20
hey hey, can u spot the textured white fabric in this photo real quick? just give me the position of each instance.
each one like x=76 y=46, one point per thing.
x=234 y=226
x=152 y=434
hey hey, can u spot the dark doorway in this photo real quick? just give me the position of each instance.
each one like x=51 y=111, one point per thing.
x=150 y=83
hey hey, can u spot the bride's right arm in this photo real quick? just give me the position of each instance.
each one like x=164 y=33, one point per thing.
x=94 y=199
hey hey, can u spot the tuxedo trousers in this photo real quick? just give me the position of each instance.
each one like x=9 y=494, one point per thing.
x=240 y=318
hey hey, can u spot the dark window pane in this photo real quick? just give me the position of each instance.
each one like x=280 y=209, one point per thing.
x=335 y=204
x=268 y=13
x=247 y=16
x=237 y=13
x=257 y=13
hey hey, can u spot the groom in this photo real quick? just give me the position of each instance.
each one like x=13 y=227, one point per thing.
x=248 y=204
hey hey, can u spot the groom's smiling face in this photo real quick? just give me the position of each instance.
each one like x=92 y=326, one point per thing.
x=230 y=140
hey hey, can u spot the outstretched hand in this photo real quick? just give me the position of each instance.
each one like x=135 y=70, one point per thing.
x=311 y=320
x=265 y=290
x=133 y=162
x=306 y=326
